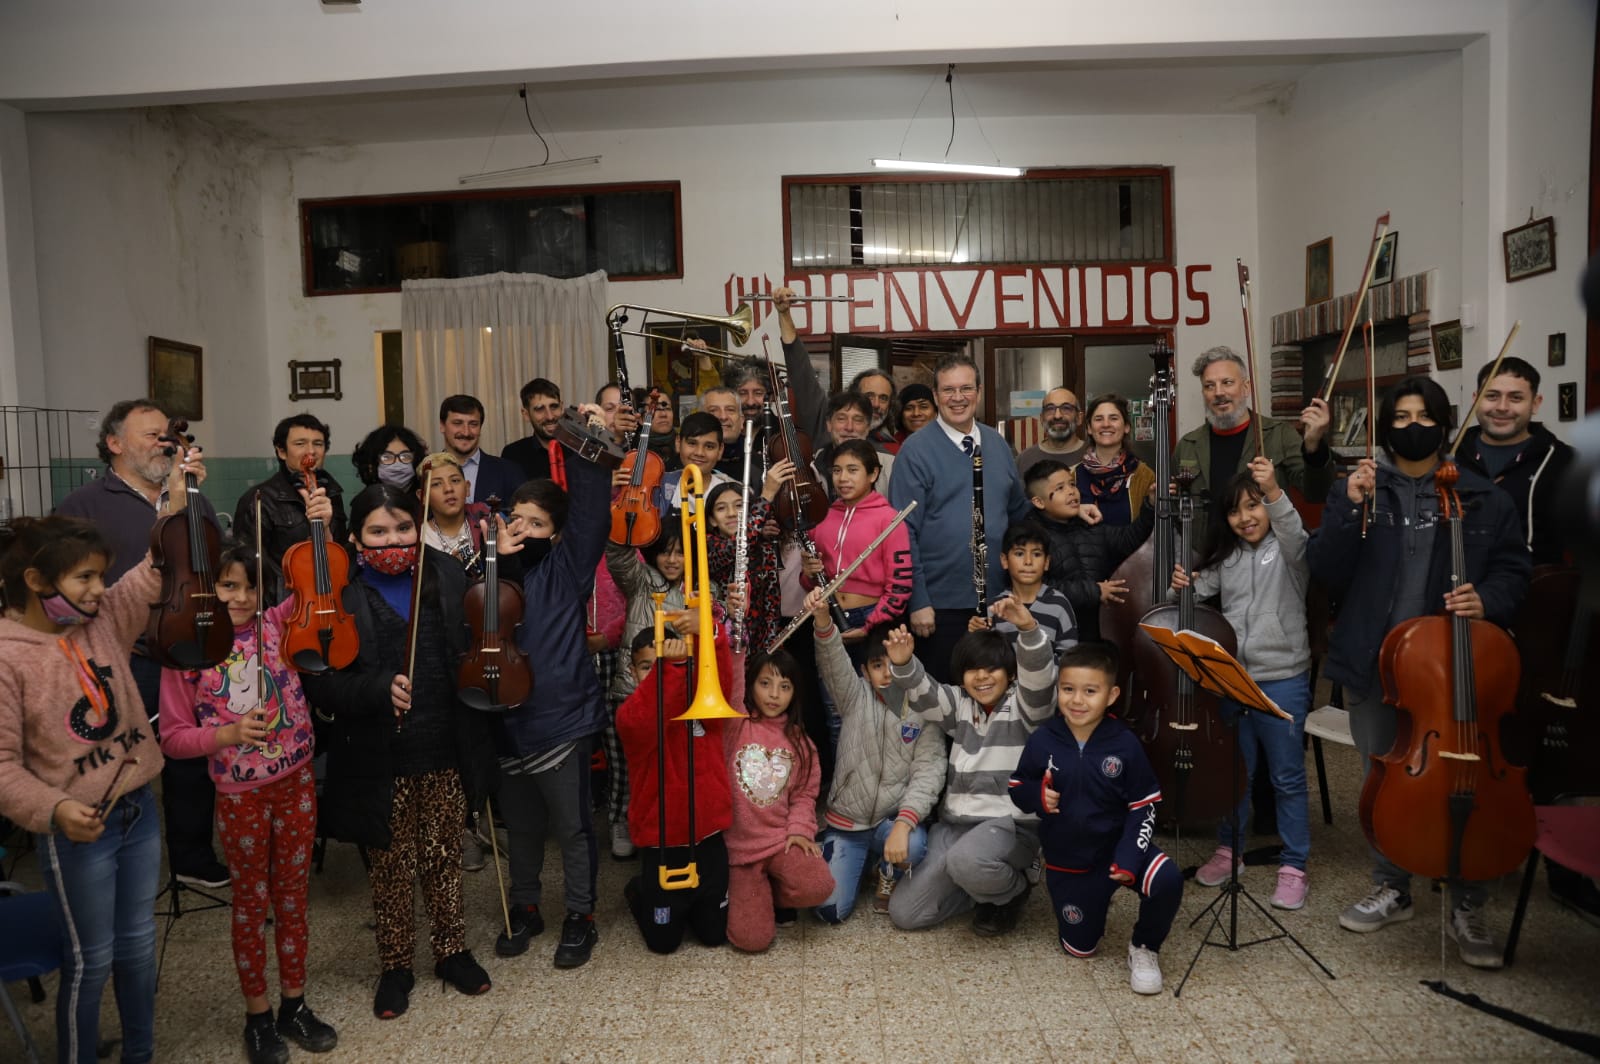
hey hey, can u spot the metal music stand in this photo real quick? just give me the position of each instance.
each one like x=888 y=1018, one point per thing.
x=1217 y=671
x=174 y=892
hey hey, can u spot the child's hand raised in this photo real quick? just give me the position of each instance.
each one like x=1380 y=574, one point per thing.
x=777 y=473
x=1009 y=609
x=804 y=844
x=817 y=605
x=508 y=538
x=899 y=645
x=675 y=649
x=1180 y=579
x=1262 y=472
x=1090 y=513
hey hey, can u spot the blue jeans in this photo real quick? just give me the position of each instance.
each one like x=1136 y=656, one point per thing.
x=1284 y=743
x=846 y=853
x=106 y=891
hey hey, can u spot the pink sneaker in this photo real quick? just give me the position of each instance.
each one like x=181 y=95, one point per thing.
x=1292 y=888
x=1214 y=872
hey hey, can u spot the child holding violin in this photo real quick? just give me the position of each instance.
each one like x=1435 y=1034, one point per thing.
x=1399 y=570
x=76 y=762
x=405 y=757
x=257 y=744
x=1257 y=562
x=452 y=521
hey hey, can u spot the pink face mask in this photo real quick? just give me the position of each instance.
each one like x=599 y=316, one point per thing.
x=391 y=561
x=63 y=611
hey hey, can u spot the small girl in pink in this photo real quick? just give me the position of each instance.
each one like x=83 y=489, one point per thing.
x=773 y=856
x=260 y=761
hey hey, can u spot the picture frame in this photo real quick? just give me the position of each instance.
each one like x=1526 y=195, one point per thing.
x=1447 y=344
x=1319 y=271
x=176 y=378
x=1530 y=249
x=1383 y=266
x=314 y=380
x=1556 y=349
x=1567 y=401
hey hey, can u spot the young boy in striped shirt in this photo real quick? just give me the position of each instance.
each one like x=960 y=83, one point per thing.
x=1087 y=779
x=1025 y=555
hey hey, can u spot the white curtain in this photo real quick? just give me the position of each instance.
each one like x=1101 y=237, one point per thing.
x=488 y=336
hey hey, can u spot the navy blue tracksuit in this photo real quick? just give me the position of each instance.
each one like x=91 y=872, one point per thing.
x=1105 y=823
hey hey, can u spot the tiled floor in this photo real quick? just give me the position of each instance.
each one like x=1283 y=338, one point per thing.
x=867 y=992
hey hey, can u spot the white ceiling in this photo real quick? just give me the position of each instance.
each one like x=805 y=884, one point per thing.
x=1235 y=85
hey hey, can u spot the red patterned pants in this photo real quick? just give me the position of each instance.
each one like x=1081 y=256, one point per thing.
x=267 y=835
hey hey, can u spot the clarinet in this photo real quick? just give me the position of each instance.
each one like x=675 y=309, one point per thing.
x=741 y=550
x=980 y=544
x=619 y=357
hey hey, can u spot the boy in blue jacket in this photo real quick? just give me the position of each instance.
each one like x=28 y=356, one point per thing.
x=1091 y=785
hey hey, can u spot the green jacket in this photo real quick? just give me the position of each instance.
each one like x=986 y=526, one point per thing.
x=1281 y=443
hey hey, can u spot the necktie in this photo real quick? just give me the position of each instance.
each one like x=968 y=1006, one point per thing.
x=966 y=445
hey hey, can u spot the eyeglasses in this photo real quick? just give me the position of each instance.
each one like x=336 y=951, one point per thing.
x=1059 y=408
x=966 y=391
x=390 y=458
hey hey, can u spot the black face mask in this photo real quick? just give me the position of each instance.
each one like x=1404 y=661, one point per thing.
x=535 y=551
x=1416 y=441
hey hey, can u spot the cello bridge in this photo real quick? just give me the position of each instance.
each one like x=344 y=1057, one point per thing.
x=1453 y=756
x=1175 y=726
x=1559 y=700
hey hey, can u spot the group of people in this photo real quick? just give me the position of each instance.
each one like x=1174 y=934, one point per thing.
x=973 y=740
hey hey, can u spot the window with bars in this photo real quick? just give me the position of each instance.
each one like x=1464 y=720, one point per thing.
x=372 y=243
x=1060 y=216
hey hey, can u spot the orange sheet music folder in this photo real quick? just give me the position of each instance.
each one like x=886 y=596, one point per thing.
x=1212 y=667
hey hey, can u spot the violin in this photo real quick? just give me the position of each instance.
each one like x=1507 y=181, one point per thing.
x=635 y=520
x=1560 y=648
x=321 y=633
x=188 y=628
x=495 y=674
x=1445 y=801
x=1180 y=724
x=803 y=502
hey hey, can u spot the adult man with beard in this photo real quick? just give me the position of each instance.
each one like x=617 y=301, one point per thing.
x=541 y=409
x=877 y=388
x=461 y=424
x=1059 y=418
x=1518 y=453
x=124 y=505
x=1224 y=445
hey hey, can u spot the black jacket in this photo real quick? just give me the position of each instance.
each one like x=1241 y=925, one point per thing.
x=283 y=521
x=359 y=791
x=531 y=455
x=497 y=477
x=1363 y=575
x=1082 y=555
x=1532 y=480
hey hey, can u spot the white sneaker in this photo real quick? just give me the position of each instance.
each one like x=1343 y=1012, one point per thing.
x=1382 y=906
x=1144 y=970
x=621 y=842
x=1473 y=940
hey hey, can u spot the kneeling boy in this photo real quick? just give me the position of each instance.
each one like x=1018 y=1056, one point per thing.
x=1088 y=780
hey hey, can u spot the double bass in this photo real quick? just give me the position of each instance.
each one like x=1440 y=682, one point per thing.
x=321 y=633
x=495 y=674
x=1445 y=801
x=189 y=628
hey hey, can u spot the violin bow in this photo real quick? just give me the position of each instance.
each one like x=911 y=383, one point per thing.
x=261 y=621
x=1378 y=232
x=1250 y=352
x=1477 y=398
x=416 y=590
x=1367 y=341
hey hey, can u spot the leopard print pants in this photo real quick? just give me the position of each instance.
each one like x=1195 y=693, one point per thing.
x=426 y=826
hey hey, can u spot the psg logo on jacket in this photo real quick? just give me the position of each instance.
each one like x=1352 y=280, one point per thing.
x=1072 y=914
x=1112 y=767
x=909 y=730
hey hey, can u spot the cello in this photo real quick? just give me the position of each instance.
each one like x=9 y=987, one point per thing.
x=495 y=674
x=321 y=633
x=188 y=627
x=635 y=521
x=1560 y=648
x=1180 y=724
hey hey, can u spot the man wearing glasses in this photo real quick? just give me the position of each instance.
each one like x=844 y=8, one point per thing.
x=1059 y=419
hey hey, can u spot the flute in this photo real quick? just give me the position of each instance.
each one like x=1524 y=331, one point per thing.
x=831 y=588
x=741 y=550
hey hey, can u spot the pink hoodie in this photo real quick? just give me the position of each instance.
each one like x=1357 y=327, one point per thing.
x=56 y=742
x=770 y=802
x=195 y=704
x=845 y=533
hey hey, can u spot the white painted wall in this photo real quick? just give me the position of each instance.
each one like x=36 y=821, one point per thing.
x=21 y=350
x=1358 y=139
x=1551 y=57
x=148 y=224
x=731 y=214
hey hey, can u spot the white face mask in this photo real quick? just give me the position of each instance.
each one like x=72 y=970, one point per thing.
x=397 y=474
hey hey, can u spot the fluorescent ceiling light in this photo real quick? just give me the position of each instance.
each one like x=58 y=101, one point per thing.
x=949 y=168
x=535 y=168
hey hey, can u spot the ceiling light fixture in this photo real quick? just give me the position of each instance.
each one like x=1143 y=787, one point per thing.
x=945 y=166
x=547 y=164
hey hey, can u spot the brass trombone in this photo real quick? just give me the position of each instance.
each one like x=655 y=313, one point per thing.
x=708 y=702
x=758 y=297
x=740 y=324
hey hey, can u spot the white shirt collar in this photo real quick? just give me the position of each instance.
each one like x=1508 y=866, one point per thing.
x=957 y=436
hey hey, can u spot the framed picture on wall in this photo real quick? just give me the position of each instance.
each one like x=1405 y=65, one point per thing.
x=1383 y=268
x=1447 y=344
x=175 y=378
x=1319 y=271
x=1556 y=353
x=1530 y=249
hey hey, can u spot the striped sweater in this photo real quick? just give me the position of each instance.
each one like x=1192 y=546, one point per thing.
x=985 y=746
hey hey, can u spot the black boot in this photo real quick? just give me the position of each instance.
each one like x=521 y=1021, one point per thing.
x=578 y=939
x=262 y=1043
x=394 y=993
x=464 y=973
x=525 y=923
x=300 y=1025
